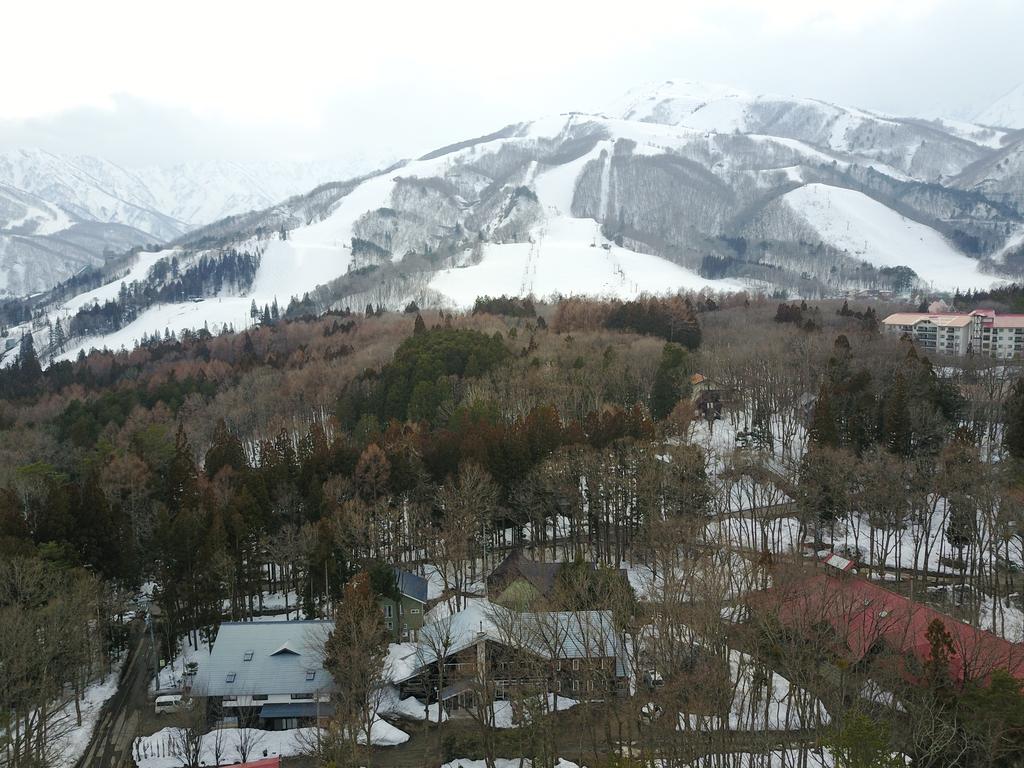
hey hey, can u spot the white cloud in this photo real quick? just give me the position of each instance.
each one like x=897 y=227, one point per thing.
x=318 y=77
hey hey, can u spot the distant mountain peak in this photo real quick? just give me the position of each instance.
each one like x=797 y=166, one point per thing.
x=1006 y=112
x=686 y=95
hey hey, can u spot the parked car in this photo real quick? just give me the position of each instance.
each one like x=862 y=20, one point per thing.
x=171 y=703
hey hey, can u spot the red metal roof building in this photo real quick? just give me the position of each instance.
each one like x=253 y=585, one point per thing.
x=872 y=618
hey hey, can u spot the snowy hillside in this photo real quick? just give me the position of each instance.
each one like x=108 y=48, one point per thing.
x=88 y=189
x=915 y=147
x=1005 y=112
x=683 y=188
x=44 y=195
x=852 y=222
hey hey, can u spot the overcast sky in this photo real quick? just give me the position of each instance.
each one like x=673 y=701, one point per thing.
x=145 y=82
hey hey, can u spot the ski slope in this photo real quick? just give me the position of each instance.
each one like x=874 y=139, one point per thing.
x=868 y=230
x=567 y=256
x=137 y=273
x=214 y=313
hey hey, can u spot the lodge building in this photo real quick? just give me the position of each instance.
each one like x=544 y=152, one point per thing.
x=981 y=332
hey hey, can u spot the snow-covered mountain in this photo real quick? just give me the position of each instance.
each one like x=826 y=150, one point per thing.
x=1006 y=112
x=59 y=213
x=921 y=149
x=675 y=187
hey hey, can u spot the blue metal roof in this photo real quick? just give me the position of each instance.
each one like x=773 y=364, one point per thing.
x=283 y=657
x=411 y=585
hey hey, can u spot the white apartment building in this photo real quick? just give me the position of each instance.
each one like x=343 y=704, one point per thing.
x=981 y=332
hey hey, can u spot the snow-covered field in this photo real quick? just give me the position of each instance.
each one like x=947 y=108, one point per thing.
x=762 y=700
x=852 y=221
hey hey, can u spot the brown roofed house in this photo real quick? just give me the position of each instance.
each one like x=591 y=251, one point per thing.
x=524 y=584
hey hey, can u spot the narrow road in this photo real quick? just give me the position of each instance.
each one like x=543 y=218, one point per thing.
x=111 y=745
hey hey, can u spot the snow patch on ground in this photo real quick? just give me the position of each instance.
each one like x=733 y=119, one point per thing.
x=157 y=750
x=391 y=704
x=762 y=700
x=1005 y=620
x=505 y=715
x=172 y=674
x=74 y=738
x=503 y=762
x=818 y=757
x=383 y=734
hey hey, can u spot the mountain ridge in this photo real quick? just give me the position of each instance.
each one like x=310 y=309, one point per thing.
x=156 y=205
x=654 y=201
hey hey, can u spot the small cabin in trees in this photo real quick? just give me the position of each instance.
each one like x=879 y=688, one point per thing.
x=522 y=584
x=403 y=605
x=706 y=397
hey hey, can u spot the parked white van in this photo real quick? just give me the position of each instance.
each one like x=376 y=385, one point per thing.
x=171 y=703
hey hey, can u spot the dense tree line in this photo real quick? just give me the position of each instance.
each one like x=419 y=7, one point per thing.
x=672 y=318
x=510 y=306
x=417 y=382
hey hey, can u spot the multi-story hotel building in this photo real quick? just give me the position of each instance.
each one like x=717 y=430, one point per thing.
x=982 y=332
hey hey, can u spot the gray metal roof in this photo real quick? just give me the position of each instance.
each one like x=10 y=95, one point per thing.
x=411 y=585
x=283 y=657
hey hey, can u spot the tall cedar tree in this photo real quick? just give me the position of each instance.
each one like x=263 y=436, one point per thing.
x=1013 y=418
x=669 y=381
x=225 y=451
x=896 y=431
x=823 y=421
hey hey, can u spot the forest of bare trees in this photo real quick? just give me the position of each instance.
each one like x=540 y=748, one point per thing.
x=286 y=460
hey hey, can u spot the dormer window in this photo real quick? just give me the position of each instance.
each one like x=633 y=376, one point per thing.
x=229 y=677
x=247 y=656
x=310 y=675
